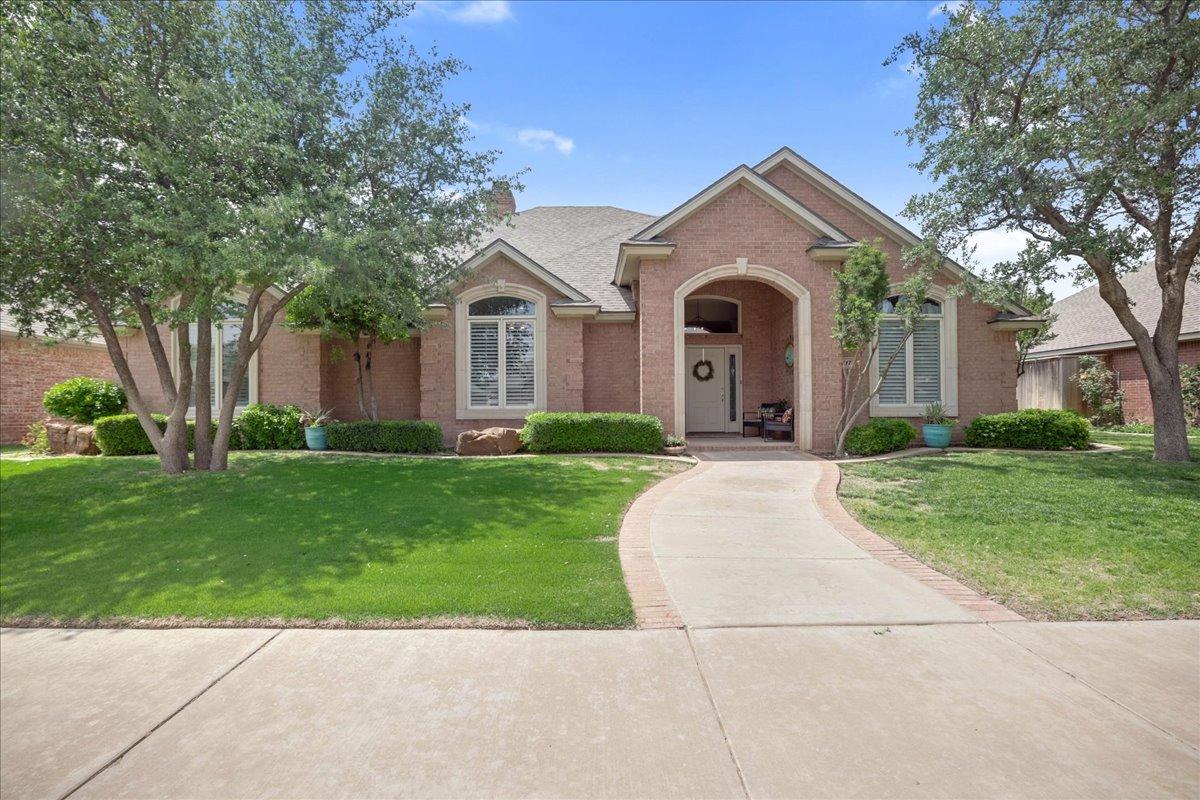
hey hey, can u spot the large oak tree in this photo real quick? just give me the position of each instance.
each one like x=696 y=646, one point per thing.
x=159 y=157
x=1077 y=123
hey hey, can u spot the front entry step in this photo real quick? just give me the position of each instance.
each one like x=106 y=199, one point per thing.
x=708 y=443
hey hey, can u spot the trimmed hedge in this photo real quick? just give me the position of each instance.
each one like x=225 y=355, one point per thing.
x=122 y=435
x=880 y=436
x=575 y=432
x=1031 y=429
x=266 y=426
x=385 y=436
x=84 y=400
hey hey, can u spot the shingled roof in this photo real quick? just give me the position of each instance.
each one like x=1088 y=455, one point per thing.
x=1085 y=322
x=578 y=244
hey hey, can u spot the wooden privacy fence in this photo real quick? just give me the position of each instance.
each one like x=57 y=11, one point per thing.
x=1047 y=384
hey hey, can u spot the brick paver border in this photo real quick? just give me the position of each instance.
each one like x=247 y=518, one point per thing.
x=652 y=605
x=835 y=513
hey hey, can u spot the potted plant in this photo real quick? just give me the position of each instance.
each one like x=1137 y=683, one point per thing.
x=937 y=427
x=314 y=428
x=675 y=446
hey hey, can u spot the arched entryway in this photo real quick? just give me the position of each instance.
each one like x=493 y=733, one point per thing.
x=730 y=354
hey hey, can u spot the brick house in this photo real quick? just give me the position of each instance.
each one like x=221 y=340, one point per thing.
x=1086 y=325
x=694 y=316
x=30 y=366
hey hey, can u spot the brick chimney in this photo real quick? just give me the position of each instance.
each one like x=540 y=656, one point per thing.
x=503 y=202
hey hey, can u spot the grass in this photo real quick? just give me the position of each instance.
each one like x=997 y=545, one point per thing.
x=303 y=537
x=1055 y=536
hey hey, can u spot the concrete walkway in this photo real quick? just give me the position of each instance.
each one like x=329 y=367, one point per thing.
x=743 y=543
x=808 y=667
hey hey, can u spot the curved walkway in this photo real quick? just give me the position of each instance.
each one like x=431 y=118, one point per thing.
x=759 y=539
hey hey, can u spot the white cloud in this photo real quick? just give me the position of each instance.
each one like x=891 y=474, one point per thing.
x=994 y=246
x=948 y=7
x=540 y=138
x=474 y=12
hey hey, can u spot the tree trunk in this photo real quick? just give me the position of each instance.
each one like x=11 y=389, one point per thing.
x=174 y=452
x=203 y=382
x=371 y=382
x=358 y=381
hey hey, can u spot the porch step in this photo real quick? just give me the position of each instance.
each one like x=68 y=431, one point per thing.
x=709 y=444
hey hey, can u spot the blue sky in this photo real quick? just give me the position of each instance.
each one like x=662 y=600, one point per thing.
x=640 y=105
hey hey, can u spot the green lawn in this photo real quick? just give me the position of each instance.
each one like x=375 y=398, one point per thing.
x=299 y=536
x=1096 y=536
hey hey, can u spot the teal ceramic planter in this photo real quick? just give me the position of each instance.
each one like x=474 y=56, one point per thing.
x=314 y=435
x=936 y=435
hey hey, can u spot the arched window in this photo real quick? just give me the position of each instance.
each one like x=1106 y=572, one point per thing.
x=916 y=374
x=711 y=315
x=501 y=353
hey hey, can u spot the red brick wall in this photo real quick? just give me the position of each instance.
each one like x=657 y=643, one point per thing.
x=564 y=351
x=397 y=378
x=28 y=369
x=1128 y=365
x=610 y=376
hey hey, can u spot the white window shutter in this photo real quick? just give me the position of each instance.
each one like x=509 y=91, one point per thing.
x=927 y=362
x=518 y=364
x=894 y=389
x=485 y=364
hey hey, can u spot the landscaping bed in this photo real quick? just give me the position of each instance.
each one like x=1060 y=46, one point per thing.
x=1111 y=536
x=319 y=539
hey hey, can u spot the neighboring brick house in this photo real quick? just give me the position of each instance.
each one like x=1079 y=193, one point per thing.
x=594 y=308
x=30 y=366
x=1086 y=325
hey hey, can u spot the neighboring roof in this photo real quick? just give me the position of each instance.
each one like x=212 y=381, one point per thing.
x=9 y=327
x=579 y=244
x=1085 y=322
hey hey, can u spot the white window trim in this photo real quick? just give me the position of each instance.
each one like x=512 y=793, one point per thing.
x=949 y=372
x=733 y=300
x=462 y=352
x=252 y=369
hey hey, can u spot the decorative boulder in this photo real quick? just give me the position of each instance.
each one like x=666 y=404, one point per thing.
x=56 y=436
x=488 y=442
x=65 y=438
x=81 y=440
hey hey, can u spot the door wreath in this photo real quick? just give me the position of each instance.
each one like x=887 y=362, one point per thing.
x=703 y=370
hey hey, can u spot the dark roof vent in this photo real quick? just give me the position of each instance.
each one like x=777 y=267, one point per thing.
x=503 y=201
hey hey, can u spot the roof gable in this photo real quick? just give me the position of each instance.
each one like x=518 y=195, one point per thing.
x=756 y=183
x=500 y=247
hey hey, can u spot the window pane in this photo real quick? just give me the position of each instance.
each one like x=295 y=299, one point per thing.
x=894 y=390
x=710 y=315
x=518 y=364
x=501 y=307
x=927 y=362
x=485 y=364
x=230 y=331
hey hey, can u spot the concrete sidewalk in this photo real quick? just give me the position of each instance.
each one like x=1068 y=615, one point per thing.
x=986 y=710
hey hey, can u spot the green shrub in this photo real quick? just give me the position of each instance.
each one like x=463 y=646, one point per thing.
x=575 y=432
x=880 y=436
x=84 y=400
x=265 y=426
x=36 y=439
x=122 y=435
x=1031 y=429
x=386 y=436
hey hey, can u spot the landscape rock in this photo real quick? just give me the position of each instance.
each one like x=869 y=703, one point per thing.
x=488 y=442
x=68 y=439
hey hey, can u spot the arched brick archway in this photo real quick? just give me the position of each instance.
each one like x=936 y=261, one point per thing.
x=801 y=336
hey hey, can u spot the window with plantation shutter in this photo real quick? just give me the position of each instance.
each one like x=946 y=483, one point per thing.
x=518 y=364
x=915 y=377
x=485 y=364
x=502 y=354
x=894 y=389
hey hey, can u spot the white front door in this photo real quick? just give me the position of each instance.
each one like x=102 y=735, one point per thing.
x=712 y=405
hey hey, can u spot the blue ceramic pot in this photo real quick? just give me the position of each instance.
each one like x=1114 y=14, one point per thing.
x=314 y=435
x=936 y=435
